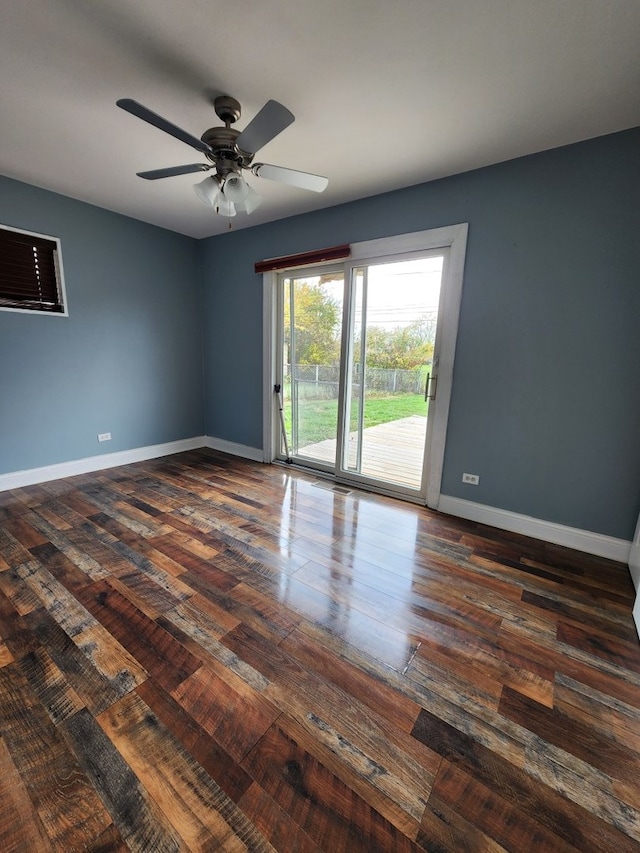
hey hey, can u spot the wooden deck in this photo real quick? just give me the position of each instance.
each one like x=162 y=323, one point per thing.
x=391 y=452
x=200 y=653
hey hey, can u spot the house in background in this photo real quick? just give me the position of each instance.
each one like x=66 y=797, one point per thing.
x=162 y=346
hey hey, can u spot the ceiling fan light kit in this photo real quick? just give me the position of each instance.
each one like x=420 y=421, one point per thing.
x=229 y=152
x=228 y=195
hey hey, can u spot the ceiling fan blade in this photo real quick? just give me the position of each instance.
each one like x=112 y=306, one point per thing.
x=154 y=174
x=304 y=180
x=272 y=119
x=139 y=111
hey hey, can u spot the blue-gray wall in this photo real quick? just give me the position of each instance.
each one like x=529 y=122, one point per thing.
x=127 y=359
x=546 y=394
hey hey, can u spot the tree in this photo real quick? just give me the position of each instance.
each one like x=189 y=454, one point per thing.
x=316 y=322
x=402 y=348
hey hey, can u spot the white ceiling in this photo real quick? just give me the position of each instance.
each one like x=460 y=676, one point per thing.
x=386 y=93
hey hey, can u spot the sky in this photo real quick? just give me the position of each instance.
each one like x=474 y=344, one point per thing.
x=399 y=293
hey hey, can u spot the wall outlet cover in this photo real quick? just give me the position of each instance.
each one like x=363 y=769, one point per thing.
x=472 y=479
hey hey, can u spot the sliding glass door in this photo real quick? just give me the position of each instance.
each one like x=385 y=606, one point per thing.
x=356 y=365
x=311 y=309
x=363 y=362
x=393 y=313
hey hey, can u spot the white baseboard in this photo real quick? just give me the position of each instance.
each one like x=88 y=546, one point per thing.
x=32 y=476
x=256 y=454
x=558 y=534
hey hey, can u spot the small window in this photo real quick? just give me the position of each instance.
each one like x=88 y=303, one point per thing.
x=30 y=272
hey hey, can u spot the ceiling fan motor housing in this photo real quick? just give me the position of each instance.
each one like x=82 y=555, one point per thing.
x=225 y=153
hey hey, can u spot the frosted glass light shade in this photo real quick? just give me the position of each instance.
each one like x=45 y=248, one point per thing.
x=251 y=201
x=207 y=191
x=235 y=188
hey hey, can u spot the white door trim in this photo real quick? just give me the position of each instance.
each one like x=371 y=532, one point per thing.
x=452 y=237
x=445 y=349
x=269 y=302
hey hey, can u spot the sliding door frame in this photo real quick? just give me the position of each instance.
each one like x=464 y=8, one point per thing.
x=451 y=237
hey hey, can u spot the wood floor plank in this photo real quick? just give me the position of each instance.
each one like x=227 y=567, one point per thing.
x=109 y=503
x=196 y=806
x=576 y=663
x=65 y=801
x=619 y=652
x=21 y=829
x=221 y=766
x=24 y=533
x=496 y=817
x=23 y=598
x=397 y=799
x=612 y=718
x=61 y=567
x=105 y=652
x=374 y=693
x=96 y=688
x=391 y=645
x=15 y=633
x=366 y=747
x=577 y=825
x=486 y=668
x=13 y=553
x=5 y=654
x=110 y=840
x=274 y=823
x=200 y=620
x=445 y=830
x=227 y=707
x=575 y=785
x=138 y=818
x=51 y=687
x=78 y=547
x=577 y=611
x=580 y=739
x=319 y=803
x=207 y=569
x=132 y=553
x=149 y=644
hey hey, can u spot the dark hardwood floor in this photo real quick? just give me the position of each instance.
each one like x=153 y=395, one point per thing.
x=201 y=653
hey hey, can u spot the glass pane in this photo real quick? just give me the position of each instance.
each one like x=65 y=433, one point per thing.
x=311 y=363
x=394 y=329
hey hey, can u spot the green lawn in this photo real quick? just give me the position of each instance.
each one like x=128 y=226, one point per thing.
x=318 y=418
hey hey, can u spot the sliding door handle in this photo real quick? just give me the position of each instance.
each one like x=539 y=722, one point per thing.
x=434 y=384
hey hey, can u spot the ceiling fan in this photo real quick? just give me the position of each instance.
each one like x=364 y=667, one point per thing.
x=230 y=152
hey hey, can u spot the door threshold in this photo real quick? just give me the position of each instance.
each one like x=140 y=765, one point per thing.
x=349 y=485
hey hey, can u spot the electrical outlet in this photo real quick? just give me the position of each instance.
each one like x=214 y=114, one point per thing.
x=472 y=479
x=104 y=436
